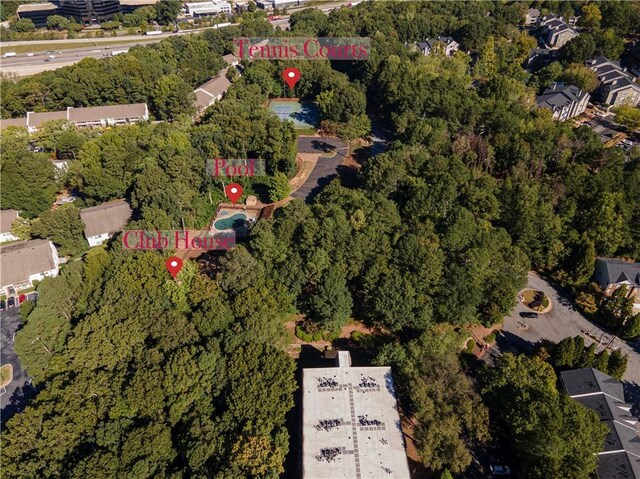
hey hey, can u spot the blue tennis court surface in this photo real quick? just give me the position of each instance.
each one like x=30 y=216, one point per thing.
x=303 y=115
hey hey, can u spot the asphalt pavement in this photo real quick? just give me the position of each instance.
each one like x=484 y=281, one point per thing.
x=562 y=321
x=326 y=167
x=18 y=391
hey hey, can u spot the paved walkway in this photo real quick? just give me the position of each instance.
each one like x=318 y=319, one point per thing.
x=562 y=321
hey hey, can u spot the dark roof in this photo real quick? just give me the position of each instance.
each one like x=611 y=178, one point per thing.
x=620 y=465
x=605 y=395
x=430 y=42
x=613 y=270
x=560 y=95
x=588 y=381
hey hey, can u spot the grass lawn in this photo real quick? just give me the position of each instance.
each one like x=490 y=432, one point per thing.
x=306 y=131
x=6 y=375
x=36 y=48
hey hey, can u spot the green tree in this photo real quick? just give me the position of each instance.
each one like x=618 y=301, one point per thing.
x=591 y=16
x=617 y=364
x=432 y=387
x=172 y=96
x=631 y=327
x=167 y=11
x=331 y=305
x=580 y=76
x=57 y=22
x=609 y=43
x=279 y=187
x=487 y=65
x=579 y=49
x=601 y=362
x=23 y=25
x=21 y=228
x=616 y=309
x=628 y=116
x=550 y=434
x=64 y=227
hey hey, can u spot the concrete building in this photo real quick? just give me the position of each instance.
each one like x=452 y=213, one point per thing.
x=614 y=273
x=7 y=217
x=565 y=101
x=212 y=91
x=617 y=87
x=102 y=221
x=605 y=395
x=556 y=32
x=449 y=44
x=37 y=12
x=351 y=427
x=205 y=9
x=24 y=262
x=97 y=116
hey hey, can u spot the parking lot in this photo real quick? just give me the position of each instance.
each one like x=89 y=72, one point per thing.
x=15 y=394
x=520 y=333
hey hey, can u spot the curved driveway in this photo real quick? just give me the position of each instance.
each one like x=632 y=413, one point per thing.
x=562 y=321
x=326 y=167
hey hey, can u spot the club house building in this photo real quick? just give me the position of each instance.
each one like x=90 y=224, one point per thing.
x=351 y=427
x=24 y=262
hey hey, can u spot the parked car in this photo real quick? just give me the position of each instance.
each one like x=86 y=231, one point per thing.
x=500 y=470
x=22 y=298
x=11 y=302
x=32 y=296
x=3 y=305
x=529 y=315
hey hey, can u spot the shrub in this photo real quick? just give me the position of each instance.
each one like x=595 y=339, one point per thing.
x=490 y=338
x=470 y=345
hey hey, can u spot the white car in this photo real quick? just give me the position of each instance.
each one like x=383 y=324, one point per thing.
x=30 y=54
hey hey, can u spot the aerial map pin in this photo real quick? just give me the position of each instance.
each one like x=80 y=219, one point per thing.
x=291 y=76
x=174 y=265
x=233 y=192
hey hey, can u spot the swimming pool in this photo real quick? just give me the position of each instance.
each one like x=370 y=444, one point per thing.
x=232 y=222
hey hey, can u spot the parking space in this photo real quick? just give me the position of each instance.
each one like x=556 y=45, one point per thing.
x=333 y=153
x=520 y=333
x=14 y=395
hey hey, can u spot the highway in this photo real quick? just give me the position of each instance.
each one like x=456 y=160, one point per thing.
x=25 y=64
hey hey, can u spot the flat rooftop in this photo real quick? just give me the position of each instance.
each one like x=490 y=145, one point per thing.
x=351 y=427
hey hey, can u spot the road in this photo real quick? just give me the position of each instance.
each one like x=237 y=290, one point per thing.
x=563 y=321
x=326 y=168
x=16 y=392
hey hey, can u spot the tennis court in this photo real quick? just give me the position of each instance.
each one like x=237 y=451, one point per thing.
x=303 y=115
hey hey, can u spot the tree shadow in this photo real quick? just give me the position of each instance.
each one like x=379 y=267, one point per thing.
x=508 y=342
x=19 y=399
x=310 y=357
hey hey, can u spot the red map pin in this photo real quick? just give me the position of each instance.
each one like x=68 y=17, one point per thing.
x=291 y=76
x=233 y=192
x=174 y=265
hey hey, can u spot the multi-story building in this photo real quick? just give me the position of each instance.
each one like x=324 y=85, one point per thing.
x=556 y=32
x=565 y=101
x=350 y=423
x=205 y=9
x=24 y=262
x=97 y=116
x=212 y=91
x=532 y=16
x=614 y=273
x=448 y=44
x=89 y=11
x=37 y=12
x=617 y=87
x=605 y=395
